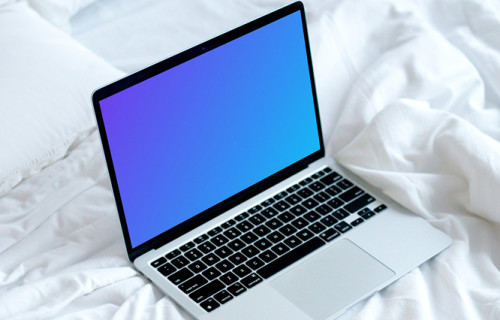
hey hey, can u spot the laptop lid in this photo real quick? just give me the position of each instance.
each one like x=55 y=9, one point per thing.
x=194 y=135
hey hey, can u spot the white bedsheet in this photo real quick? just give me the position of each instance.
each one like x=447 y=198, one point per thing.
x=409 y=96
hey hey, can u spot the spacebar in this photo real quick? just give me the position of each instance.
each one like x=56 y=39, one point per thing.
x=289 y=258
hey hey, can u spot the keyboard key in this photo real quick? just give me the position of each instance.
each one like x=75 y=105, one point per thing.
x=286 y=217
x=228 y=224
x=206 y=291
x=290 y=257
x=268 y=202
x=343 y=227
x=357 y=222
x=329 y=221
x=329 y=234
x=210 y=259
x=206 y=247
x=187 y=246
x=228 y=278
x=305 y=193
x=292 y=242
x=158 y=262
x=236 y=289
x=344 y=184
x=330 y=178
x=268 y=256
x=275 y=237
x=242 y=271
x=280 y=195
x=311 y=216
x=316 y=227
x=269 y=213
x=305 y=234
x=288 y=230
x=280 y=249
x=180 y=276
x=210 y=304
x=224 y=266
x=249 y=237
x=250 y=251
x=324 y=209
x=327 y=170
x=263 y=244
x=340 y=214
x=172 y=254
x=299 y=223
x=293 y=199
x=197 y=266
x=236 y=244
x=351 y=194
x=242 y=216
x=219 y=240
x=261 y=231
x=310 y=203
x=211 y=273
x=363 y=211
x=193 y=254
x=254 y=263
x=335 y=203
x=232 y=233
x=223 y=297
x=257 y=219
x=193 y=284
x=380 y=208
x=359 y=203
x=166 y=269
x=318 y=174
x=333 y=191
x=180 y=262
x=223 y=252
x=316 y=186
x=306 y=181
x=322 y=197
x=274 y=224
x=367 y=214
x=293 y=188
x=244 y=226
x=251 y=280
x=298 y=210
x=255 y=209
x=281 y=206
x=237 y=258
x=215 y=231
x=201 y=239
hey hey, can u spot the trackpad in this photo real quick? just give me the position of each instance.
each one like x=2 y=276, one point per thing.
x=332 y=279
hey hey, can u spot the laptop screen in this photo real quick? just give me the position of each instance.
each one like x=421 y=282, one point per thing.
x=198 y=133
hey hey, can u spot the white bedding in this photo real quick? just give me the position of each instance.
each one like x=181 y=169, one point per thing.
x=409 y=99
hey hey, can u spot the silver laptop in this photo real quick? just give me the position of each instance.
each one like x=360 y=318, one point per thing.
x=226 y=199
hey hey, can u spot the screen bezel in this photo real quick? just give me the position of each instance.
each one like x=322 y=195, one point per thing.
x=236 y=199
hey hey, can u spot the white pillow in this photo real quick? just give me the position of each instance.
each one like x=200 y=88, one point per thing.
x=46 y=82
x=59 y=12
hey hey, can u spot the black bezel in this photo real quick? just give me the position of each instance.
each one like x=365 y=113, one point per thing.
x=169 y=63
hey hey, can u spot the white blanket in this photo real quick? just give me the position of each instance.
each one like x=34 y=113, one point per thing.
x=409 y=96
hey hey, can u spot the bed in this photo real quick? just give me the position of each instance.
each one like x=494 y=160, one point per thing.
x=409 y=97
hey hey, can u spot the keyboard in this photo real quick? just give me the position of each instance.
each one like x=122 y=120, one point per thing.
x=240 y=253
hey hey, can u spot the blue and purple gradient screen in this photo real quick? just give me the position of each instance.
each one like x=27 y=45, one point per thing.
x=196 y=134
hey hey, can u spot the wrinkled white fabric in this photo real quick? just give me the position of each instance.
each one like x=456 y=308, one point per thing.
x=409 y=100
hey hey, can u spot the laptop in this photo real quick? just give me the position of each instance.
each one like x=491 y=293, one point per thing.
x=226 y=199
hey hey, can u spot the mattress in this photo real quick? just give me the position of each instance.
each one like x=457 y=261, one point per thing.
x=409 y=99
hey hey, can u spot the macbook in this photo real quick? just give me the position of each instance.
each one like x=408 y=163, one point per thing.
x=226 y=199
